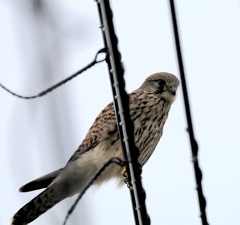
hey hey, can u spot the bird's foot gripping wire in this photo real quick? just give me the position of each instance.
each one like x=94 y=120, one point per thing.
x=125 y=178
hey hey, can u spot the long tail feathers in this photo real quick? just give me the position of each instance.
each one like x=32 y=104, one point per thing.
x=37 y=206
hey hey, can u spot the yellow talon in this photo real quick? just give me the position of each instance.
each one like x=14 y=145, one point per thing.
x=124 y=173
x=125 y=178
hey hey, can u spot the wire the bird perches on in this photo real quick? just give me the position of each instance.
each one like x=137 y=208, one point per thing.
x=90 y=182
x=95 y=61
x=124 y=122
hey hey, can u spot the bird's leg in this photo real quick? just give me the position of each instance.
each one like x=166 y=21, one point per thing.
x=124 y=173
x=125 y=178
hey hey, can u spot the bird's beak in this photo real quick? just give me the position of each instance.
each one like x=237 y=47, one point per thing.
x=172 y=91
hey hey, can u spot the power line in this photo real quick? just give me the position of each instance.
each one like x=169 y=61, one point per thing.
x=121 y=103
x=95 y=61
x=194 y=145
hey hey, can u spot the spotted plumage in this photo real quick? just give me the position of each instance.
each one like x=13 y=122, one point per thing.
x=149 y=108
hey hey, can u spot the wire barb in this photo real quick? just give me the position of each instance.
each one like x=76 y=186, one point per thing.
x=115 y=160
x=95 y=61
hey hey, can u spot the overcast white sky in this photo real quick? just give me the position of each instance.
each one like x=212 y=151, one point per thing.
x=38 y=136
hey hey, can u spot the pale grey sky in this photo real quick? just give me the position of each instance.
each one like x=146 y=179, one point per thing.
x=38 y=136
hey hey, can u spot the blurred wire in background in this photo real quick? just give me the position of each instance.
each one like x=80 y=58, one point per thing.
x=43 y=33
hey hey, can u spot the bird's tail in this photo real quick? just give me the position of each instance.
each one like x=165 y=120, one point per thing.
x=37 y=206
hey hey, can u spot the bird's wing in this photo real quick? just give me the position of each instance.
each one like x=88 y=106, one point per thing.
x=104 y=126
x=41 y=182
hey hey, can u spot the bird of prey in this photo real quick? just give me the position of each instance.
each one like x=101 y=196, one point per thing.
x=149 y=108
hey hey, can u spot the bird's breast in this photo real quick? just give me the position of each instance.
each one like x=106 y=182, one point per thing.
x=149 y=119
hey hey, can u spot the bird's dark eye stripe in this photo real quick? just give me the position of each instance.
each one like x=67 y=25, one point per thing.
x=161 y=82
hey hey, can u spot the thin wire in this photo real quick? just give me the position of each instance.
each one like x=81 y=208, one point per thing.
x=116 y=160
x=194 y=145
x=95 y=61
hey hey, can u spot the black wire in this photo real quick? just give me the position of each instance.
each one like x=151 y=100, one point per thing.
x=194 y=145
x=95 y=61
x=94 y=177
x=122 y=111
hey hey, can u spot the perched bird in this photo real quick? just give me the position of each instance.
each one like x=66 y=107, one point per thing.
x=149 y=108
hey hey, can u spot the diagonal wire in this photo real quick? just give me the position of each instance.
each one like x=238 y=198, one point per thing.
x=95 y=61
x=115 y=160
x=194 y=145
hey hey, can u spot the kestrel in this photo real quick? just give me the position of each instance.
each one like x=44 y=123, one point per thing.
x=149 y=108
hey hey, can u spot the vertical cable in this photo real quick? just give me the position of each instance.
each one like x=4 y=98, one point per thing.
x=194 y=145
x=125 y=124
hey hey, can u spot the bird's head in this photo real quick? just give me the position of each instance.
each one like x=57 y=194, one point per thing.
x=163 y=84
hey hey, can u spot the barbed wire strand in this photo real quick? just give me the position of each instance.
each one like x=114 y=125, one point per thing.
x=122 y=111
x=95 y=61
x=115 y=160
x=194 y=145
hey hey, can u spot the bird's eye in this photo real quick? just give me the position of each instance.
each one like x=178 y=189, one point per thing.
x=161 y=82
